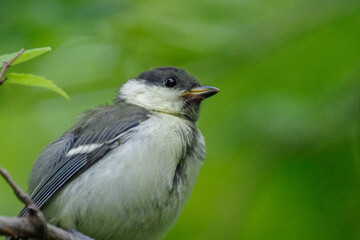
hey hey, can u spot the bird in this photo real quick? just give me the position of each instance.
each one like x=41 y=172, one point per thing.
x=125 y=170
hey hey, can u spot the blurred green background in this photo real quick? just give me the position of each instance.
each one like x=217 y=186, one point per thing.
x=283 y=135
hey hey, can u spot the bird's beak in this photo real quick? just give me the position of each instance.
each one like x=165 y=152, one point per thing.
x=200 y=93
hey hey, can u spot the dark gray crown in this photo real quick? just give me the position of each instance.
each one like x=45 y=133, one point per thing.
x=157 y=77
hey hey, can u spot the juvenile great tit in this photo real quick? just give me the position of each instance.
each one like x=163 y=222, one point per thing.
x=125 y=171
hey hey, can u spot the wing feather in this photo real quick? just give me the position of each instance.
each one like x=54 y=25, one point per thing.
x=62 y=168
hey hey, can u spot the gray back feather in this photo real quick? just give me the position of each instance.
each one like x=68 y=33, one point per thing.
x=95 y=126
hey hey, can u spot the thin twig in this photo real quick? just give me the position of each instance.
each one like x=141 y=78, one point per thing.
x=33 y=225
x=7 y=65
x=36 y=217
x=21 y=195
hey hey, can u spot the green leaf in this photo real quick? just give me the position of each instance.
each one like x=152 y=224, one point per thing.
x=35 y=81
x=25 y=56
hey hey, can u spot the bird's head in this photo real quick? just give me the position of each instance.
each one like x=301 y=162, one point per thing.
x=169 y=90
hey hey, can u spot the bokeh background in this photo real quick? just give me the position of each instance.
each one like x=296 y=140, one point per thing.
x=283 y=135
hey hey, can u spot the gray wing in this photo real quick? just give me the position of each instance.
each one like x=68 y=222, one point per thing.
x=70 y=155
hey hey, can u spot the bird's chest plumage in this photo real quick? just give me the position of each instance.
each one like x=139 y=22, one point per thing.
x=139 y=189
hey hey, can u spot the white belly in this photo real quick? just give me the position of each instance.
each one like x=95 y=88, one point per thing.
x=130 y=193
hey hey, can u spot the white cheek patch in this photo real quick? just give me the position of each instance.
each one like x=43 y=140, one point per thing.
x=83 y=149
x=152 y=97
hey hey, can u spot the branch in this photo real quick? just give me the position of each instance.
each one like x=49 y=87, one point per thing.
x=7 y=65
x=25 y=228
x=23 y=197
x=34 y=224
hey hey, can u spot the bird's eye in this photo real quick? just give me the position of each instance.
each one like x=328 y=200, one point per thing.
x=170 y=82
